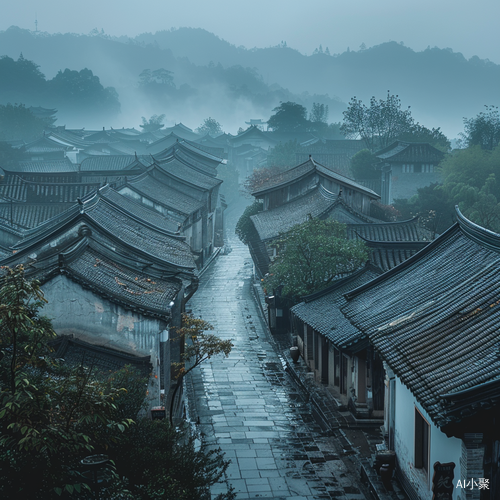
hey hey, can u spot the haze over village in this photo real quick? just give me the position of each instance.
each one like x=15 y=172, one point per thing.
x=250 y=250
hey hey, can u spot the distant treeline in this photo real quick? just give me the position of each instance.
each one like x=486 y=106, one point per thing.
x=21 y=81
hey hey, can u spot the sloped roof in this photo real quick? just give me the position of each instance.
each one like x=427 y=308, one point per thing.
x=435 y=318
x=408 y=230
x=83 y=260
x=45 y=145
x=310 y=166
x=19 y=189
x=28 y=215
x=119 y=224
x=187 y=174
x=191 y=155
x=115 y=162
x=332 y=146
x=386 y=255
x=270 y=223
x=403 y=152
x=165 y=195
x=321 y=310
x=153 y=217
x=47 y=166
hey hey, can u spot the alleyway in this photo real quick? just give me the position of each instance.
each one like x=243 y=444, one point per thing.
x=248 y=405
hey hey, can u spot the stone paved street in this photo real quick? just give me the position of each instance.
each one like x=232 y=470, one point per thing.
x=248 y=405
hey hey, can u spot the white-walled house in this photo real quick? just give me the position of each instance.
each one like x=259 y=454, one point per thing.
x=115 y=284
x=435 y=321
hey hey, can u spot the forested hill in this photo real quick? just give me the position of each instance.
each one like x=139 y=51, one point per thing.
x=214 y=78
x=439 y=84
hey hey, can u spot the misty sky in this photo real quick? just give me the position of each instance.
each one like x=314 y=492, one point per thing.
x=463 y=25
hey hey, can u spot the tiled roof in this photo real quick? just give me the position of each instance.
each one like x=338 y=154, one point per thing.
x=335 y=147
x=388 y=255
x=190 y=155
x=410 y=152
x=27 y=215
x=136 y=289
x=286 y=177
x=120 y=224
x=163 y=194
x=321 y=310
x=16 y=188
x=188 y=175
x=409 y=230
x=63 y=165
x=115 y=162
x=270 y=223
x=294 y=174
x=435 y=318
x=153 y=217
x=94 y=266
x=136 y=233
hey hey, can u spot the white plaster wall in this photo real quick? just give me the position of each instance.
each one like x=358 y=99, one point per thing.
x=87 y=316
x=442 y=448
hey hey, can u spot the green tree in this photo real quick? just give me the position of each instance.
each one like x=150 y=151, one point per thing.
x=484 y=129
x=288 y=118
x=434 y=137
x=283 y=154
x=165 y=463
x=21 y=77
x=8 y=155
x=379 y=124
x=312 y=255
x=153 y=124
x=82 y=90
x=319 y=113
x=18 y=123
x=245 y=230
x=199 y=346
x=210 y=126
x=362 y=165
x=50 y=416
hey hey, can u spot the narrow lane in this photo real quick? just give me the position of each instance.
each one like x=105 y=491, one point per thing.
x=247 y=405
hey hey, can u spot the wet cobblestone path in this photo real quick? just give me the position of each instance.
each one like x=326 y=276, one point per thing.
x=248 y=405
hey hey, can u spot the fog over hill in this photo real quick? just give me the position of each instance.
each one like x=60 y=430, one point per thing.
x=232 y=84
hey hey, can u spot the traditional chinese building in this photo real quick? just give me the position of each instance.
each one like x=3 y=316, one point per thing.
x=434 y=321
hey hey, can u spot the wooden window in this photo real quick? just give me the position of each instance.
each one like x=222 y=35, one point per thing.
x=422 y=435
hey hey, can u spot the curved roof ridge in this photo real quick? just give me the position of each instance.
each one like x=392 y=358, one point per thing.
x=383 y=223
x=479 y=234
x=328 y=195
x=402 y=244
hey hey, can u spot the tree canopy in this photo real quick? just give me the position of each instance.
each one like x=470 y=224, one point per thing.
x=73 y=91
x=18 y=123
x=313 y=254
x=154 y=123
x=210 y=126
x=362 y=165
x=484 y=129
x=288 y=117
x=378 y=124
x=470 y=180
